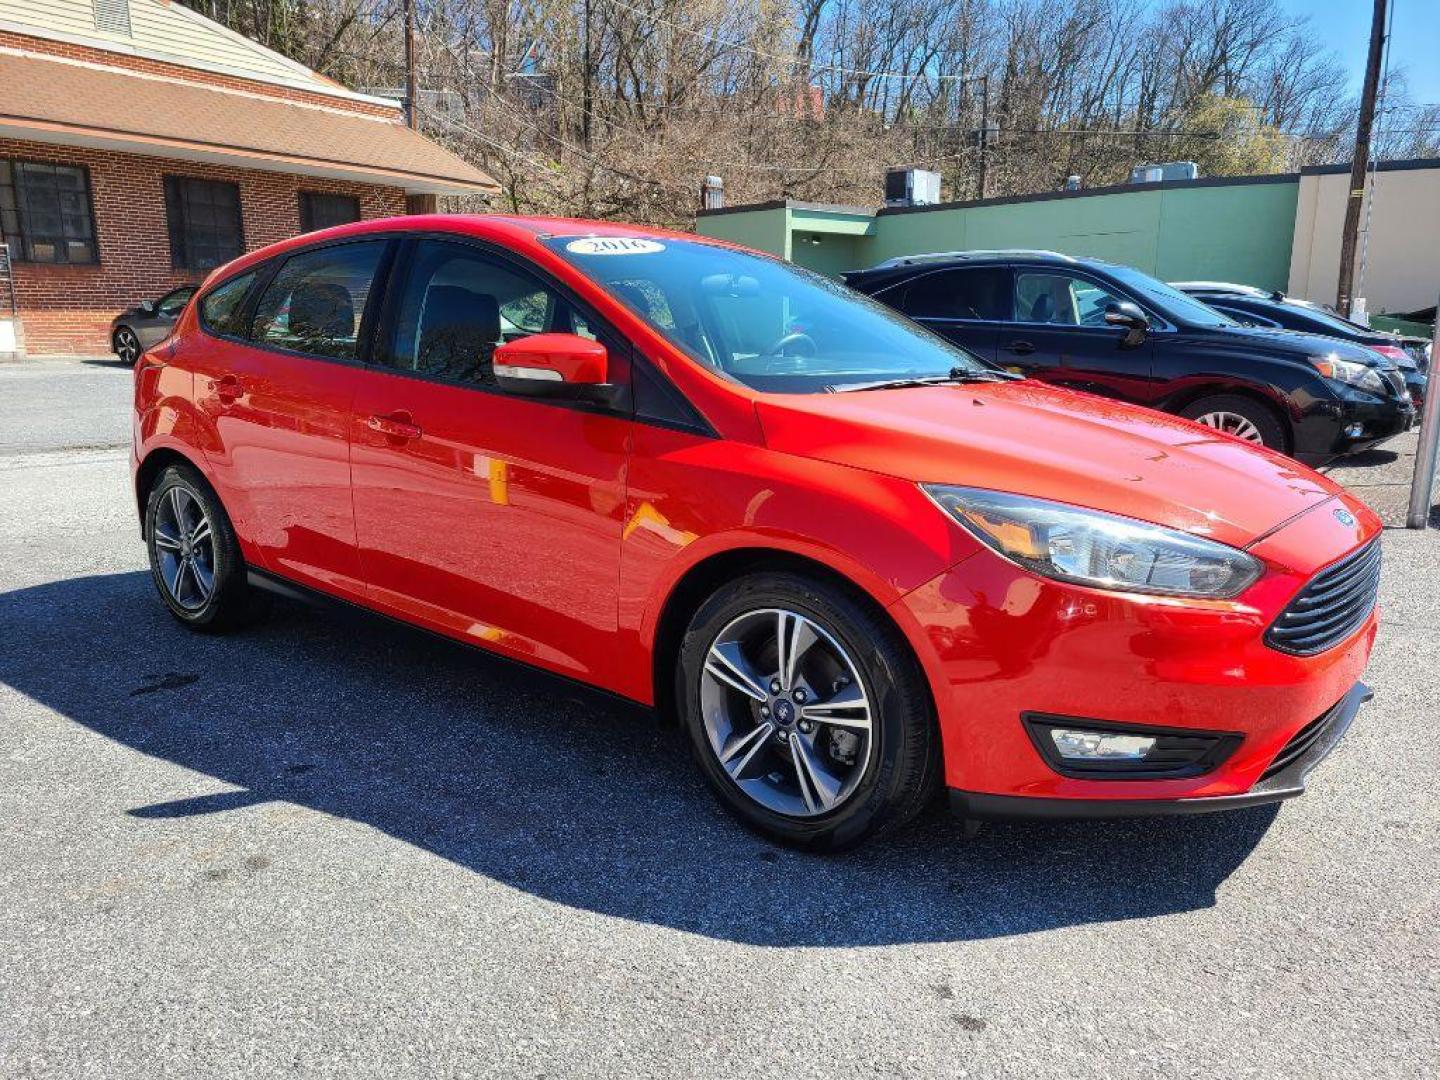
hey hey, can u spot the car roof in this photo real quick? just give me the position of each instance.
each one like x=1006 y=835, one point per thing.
x=521 y=231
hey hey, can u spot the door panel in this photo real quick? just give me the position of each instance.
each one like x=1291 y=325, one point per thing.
x=282 y=466
x=966 y=306
x=281 y=419
x=490 y=517
x=1060 y=337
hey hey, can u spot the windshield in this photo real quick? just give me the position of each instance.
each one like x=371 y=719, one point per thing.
x=765 y=323
x=1169 y=301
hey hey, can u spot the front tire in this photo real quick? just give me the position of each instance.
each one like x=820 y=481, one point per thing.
x=1241 y=417
x=195 y=558
x=806 y=711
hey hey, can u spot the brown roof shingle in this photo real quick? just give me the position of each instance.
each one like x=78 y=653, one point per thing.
x=52 y=100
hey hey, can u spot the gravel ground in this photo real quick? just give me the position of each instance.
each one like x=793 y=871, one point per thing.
x=335 y=847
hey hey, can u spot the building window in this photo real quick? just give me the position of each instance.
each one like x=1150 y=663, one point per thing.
x=45 y=212
x=320 y=211
x=204 y=218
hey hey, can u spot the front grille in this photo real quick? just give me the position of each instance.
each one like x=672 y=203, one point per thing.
x=1331 y=607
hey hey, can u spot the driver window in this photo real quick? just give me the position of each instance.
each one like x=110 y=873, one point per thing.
x=458 y=304
x=1060 y=299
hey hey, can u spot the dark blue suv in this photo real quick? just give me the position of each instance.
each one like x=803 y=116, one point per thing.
x=1112 y=330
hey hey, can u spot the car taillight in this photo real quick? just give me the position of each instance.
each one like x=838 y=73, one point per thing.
x=1391 y=352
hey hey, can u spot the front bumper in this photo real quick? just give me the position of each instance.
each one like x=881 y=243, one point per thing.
x=1348 y=425
x=1284 y=782
x=998 y=643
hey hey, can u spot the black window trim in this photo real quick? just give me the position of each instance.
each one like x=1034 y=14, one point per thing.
x=381 y=308
x=89 y=208
x=171 y=227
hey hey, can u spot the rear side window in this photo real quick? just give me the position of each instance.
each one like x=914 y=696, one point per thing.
x=223 y=307
x=316 y=302
x=977 y=293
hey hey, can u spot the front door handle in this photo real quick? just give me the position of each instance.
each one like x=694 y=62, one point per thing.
x=1021 y=348
x=395 y=426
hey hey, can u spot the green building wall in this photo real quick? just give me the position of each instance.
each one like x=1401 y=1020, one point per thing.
x=1225 y=230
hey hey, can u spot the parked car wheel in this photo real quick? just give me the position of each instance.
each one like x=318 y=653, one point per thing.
x=195 y=558
x=1238 y=416
x=807 y=712
x=127 y=346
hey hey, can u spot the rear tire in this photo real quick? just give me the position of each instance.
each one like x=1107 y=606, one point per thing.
x=1241 y=417
x=800 y=766
x=195 y=558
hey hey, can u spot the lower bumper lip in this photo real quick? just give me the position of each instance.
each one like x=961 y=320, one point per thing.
x=1284 y=784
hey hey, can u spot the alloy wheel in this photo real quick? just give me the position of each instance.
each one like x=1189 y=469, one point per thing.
x=1232 y=424
x=127 y=346
x=184 y=548
x=786 y=712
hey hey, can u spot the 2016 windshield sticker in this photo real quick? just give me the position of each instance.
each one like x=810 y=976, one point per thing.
x=614 y=245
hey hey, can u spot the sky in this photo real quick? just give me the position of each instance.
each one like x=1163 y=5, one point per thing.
x=1344 y=27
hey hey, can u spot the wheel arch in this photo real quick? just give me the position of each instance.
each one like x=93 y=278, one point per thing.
x=702 y=579
x=1249 y=393
x=152 y=465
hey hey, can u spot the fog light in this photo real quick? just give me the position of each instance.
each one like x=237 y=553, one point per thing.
x=1076 y=745
x=1100 y=749
x=1354 y=431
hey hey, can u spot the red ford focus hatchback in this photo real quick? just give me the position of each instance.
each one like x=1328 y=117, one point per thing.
x=857 y=563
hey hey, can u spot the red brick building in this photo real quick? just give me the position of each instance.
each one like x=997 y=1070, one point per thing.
x=141 y=145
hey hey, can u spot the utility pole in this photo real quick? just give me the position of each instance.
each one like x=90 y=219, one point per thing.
x=1360 y=161
x=585 y=87
x=984 y=81
x=412 y=94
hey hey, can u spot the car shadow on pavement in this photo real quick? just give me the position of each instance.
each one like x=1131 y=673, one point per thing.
x=551 y=789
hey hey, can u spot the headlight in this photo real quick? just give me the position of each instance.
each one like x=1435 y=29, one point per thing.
x=1350 y=373
x=1097 y=549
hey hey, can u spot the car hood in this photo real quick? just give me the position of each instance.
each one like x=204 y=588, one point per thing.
x=1300 y=344
x=1052 y=444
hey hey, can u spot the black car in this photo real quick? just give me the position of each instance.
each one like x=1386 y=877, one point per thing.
x=1256 y=307
x=136 y=329
x=1112 y=330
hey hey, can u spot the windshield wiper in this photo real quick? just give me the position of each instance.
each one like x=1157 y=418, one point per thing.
x=957 y=376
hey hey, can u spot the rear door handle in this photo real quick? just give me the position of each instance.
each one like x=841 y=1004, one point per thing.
x=1021 y=348
x=395 y=426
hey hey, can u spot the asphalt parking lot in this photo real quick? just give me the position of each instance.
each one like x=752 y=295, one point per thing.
x=335 y=847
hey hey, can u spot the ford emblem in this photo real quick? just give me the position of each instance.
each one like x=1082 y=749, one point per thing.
x=1345 y=518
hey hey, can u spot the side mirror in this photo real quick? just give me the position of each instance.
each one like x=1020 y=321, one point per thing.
x=147 y=307
x=1128 y=316
x=554 y=365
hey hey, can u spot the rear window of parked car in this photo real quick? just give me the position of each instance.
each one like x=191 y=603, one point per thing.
x=315 y=303
x=978 y=293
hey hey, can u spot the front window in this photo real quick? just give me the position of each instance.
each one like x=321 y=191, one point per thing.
x=1169 y=302
x=765 y=323
x=1059 y=298
x=45 y=212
